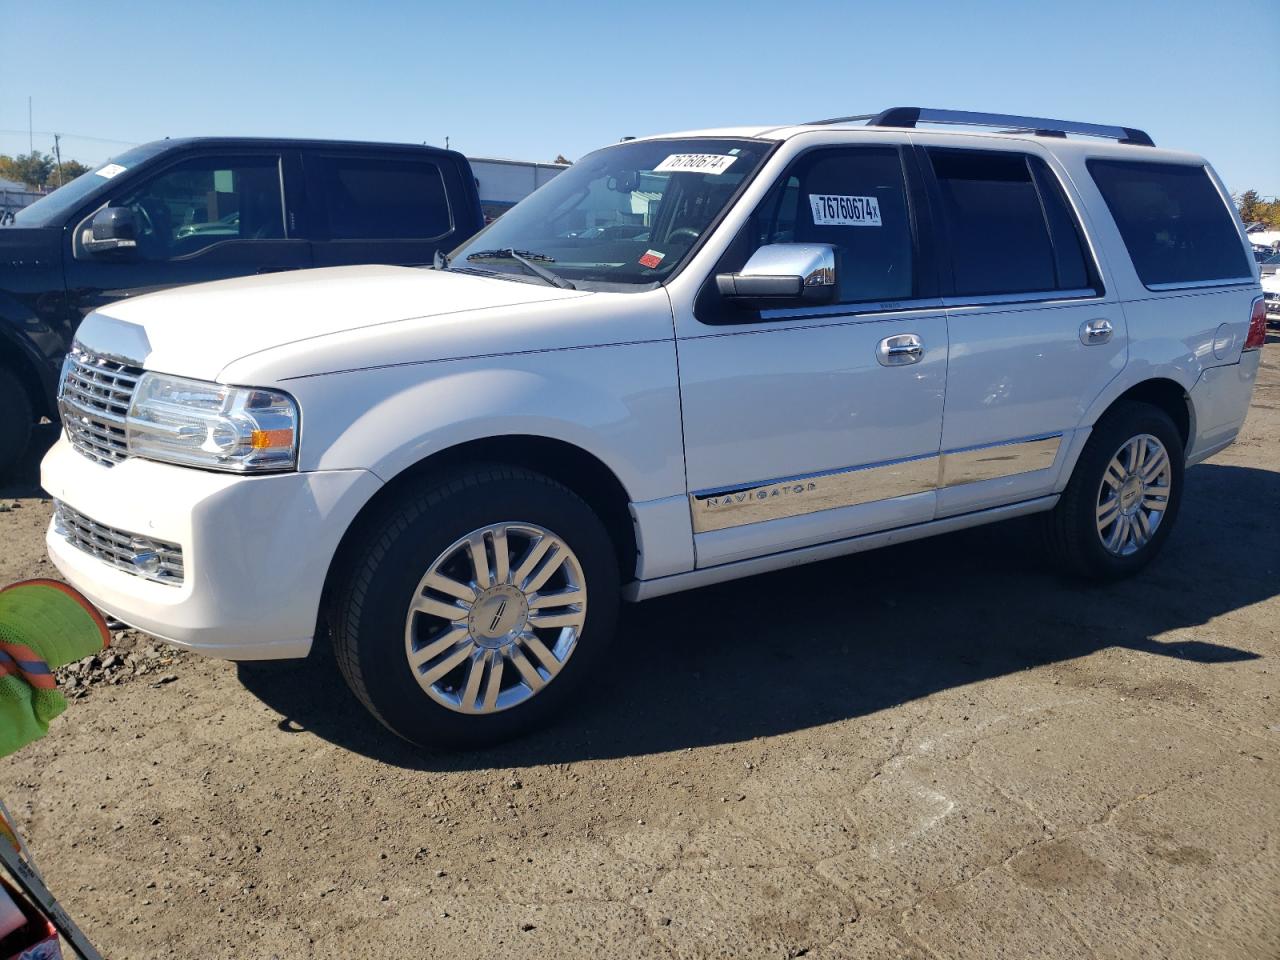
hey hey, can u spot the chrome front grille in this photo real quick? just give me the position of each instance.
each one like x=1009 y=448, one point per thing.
x=142 y=556
x=93 y=401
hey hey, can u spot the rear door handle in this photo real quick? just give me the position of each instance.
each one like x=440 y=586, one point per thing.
x=900 y=350
x=1096 y=331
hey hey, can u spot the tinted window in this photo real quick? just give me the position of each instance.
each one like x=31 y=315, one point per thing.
x=207 y=200
x=1000 y=240
x=383 y=198
x=1070 y=261
x=1174 y=222
x=856 y=201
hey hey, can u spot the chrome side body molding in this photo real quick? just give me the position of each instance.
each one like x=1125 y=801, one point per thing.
x=793 y=496
x=638 y=590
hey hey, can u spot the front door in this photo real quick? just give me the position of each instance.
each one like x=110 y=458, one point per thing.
x=1034 y=338
x=796 y=430
x=204 y=217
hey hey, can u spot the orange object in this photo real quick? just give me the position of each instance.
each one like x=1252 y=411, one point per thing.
x=266 y=439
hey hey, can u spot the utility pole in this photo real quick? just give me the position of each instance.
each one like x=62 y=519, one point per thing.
x=57 y=152
x=31 y=140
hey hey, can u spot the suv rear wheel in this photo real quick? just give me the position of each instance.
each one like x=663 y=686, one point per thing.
x=478 y=605
x=1123 y=498
x=16 y=419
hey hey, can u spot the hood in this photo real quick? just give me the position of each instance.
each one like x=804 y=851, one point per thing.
x=197 y=331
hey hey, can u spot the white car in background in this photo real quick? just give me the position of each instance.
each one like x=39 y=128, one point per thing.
x=1271 y=295
x=801 y=341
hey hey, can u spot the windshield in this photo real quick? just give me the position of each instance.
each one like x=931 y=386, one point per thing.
x=628 y=214
x=49 y=210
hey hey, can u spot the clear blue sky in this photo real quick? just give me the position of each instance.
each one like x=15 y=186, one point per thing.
x=532 y=80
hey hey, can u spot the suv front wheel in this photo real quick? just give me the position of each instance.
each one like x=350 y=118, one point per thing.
x=1122 y=500
x=478 y=605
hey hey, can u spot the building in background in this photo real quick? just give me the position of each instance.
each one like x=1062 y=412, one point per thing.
x=13 y=197
x=504 y=183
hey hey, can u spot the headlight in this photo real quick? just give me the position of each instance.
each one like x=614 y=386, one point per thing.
x=197 y=424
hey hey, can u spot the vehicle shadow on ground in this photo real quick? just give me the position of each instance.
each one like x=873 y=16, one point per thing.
x=23 y=479
x=852 y=636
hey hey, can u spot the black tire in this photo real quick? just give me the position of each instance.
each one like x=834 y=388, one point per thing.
x=16 y=420
x=372 y=596
x=1071 y=528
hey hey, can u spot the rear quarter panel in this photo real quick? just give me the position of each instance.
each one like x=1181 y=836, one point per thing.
x=1175 y=334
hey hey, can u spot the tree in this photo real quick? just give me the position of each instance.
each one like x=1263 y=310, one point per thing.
x=31 y=168
x=69 y=170
x=560 y=158
x=1251 y=206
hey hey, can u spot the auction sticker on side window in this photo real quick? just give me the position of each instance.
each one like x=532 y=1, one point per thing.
x=713 y=163
x=110 y=170
x=836 y=211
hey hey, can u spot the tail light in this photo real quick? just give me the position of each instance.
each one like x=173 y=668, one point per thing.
x=1257 y=326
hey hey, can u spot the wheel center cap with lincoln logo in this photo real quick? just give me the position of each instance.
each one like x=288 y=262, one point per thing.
x=498 y=616
x=1131 y=493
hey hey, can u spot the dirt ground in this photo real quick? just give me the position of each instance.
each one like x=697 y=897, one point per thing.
x=937 y=751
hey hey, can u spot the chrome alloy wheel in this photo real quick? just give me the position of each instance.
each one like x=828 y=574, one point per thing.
x=496 y=617
x=1133 y=495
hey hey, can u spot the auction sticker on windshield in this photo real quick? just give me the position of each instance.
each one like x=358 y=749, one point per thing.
x=713 y=163
x=837 y=211
x=110 y=170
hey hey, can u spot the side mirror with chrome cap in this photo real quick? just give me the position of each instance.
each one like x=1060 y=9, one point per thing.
x=783 y=274
x=113 y=228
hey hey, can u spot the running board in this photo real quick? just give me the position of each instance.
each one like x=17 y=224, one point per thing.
x=648 y=589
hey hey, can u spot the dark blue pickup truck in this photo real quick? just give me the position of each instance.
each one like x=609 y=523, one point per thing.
x=185 y=211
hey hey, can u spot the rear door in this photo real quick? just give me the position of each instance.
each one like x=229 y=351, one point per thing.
x=1034 y=335
x=205 y=216
x=385 y=206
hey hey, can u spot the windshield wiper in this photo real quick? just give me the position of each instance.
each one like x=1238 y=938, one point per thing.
x=527 y=259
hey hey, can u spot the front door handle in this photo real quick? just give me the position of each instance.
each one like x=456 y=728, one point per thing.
x=1096 y=331
x=900 y=350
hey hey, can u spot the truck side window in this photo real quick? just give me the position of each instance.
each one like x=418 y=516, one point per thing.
x=383 y=198
x=1009 y=225
x=855 y=200
x=204 y=201
x=1176 y=226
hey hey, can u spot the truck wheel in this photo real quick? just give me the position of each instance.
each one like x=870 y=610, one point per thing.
x=477 y=606
x=1122 y=500
x=16 y=418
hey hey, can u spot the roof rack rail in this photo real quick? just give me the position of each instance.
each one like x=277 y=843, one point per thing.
x=910 y=116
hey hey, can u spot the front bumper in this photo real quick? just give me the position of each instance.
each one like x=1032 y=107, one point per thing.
x=256 y=550
x=1272 y=306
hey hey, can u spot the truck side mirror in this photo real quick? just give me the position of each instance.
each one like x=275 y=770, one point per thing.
x=782 y=275
x=113 y=228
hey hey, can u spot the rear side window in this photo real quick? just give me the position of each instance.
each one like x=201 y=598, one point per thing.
x=1010 y=228
x=383 y=198
x=1174 y=222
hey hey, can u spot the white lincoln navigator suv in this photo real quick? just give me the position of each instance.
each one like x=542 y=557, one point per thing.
x=687 y=359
